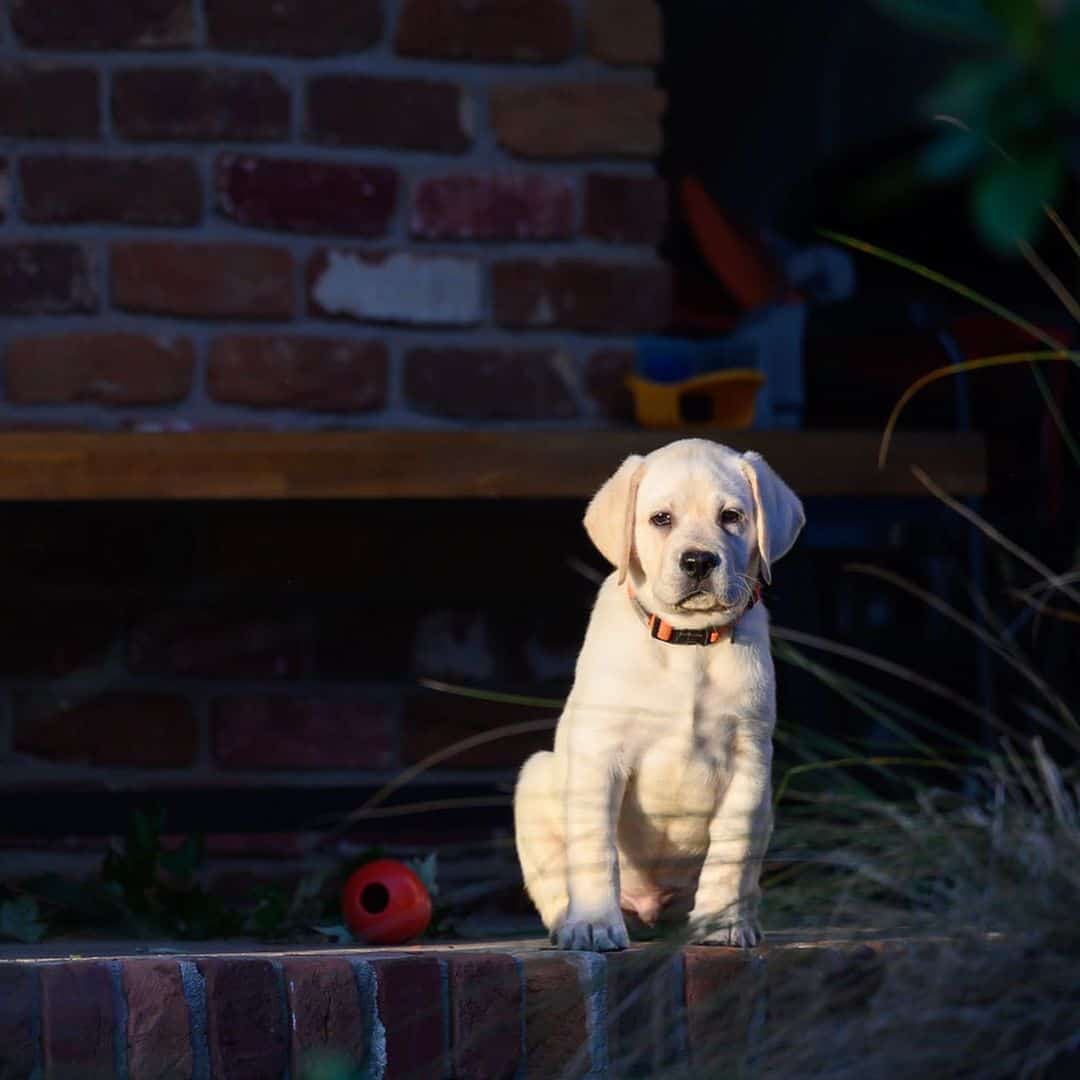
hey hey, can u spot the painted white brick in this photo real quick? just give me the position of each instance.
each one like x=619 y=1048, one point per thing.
x=435 y=290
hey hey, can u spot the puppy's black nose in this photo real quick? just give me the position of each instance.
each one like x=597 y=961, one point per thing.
x=698 y=564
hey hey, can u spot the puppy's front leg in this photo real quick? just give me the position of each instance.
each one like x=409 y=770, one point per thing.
x=594 y=790
x=725 y=906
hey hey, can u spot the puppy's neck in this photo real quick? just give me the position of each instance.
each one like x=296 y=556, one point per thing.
x=693 y=628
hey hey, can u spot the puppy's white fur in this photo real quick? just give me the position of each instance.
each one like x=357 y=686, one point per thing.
x=655 y=805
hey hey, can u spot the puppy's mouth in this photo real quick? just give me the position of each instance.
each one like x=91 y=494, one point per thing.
x=702 y=600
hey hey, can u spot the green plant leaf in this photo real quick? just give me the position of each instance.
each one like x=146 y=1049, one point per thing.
x=1023 y=21
x=1020 y=118
x=966 y=20
x=950 y=155
x=308 y=901
x=91 y=902
x=135 y=867
x=427 y=870
x=20 y=919
x=185 y=860
x=270 y=916
x=1008 y=198
x=335 y=934
x=1061 y=59
x=194 y=913
x=973 y=88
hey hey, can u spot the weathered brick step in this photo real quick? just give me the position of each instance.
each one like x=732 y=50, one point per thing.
x=471 y=1013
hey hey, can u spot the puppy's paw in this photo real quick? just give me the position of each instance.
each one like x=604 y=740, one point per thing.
x=739 y=934
x=603 y=934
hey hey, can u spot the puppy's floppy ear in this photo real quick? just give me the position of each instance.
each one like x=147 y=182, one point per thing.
x=777 y=510
x=609 y=519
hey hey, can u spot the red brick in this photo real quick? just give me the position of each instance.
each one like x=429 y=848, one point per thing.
x=277 y=845
x=721 y=987
x=78 y=1020
x=578 y=120
x=396 y=287
x=246 y=1026
x=402 y=114
x=47 y=100
x=203 y=280
x=306 y=195
x=66 y=845
x=412 y=1011
x=326 y=1015
x=110 y=558
x=487 y=384
x=119 y=24
x=605 y=379
x=297 y=27
x=158 y=1029
x=110 y=368
x=626 y=31
x=213 y=644
x=579 y=294
x=536 y=207
x=321 y=374
x=458 y=645
x=415 y=640
x=435 y=722
x=286 y=733
x=643 y=1011
x=556 y=1018
x=199 y=103
x=19 y=1007
x=625 y=209
x=350 y=647
x=331 y=547
x=840 y=981
x=131 y=191
x=534 y=31
x=485 y=1016
x=61 y=628
x=45 y=278
x=137 y=731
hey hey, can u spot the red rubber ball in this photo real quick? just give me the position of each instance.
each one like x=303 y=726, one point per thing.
x=385 y=903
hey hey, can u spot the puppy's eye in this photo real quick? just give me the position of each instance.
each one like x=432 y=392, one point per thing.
x=661 y=519
x=730 y=517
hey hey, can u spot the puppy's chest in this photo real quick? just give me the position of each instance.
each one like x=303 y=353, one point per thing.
x=726 y=679
x=681 y=767
x=678 y=772
x=706 y=700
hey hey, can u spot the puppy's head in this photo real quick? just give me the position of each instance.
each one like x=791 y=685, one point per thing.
x=694 y=524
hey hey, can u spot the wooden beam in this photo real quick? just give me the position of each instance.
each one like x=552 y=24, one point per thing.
x=445 y=464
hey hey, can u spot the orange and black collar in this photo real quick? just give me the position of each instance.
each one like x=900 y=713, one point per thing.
x=673 y=635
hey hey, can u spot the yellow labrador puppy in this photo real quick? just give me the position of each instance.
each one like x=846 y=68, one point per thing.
x=655 y=806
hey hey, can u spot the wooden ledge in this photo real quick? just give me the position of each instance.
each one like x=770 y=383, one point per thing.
x=48 y=466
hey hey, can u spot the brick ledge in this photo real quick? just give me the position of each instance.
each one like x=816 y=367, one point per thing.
x=472 y=1010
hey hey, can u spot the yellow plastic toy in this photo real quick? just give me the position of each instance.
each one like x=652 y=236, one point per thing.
x=723 y=398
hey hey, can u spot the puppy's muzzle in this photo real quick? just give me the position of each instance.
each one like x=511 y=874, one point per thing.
x=698 y=565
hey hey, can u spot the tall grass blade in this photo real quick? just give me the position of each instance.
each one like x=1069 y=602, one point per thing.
x=1055 y=581
x=1012 y=657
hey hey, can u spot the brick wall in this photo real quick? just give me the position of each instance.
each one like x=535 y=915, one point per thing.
x=301 y=214
x=468 y=1014
x=255 y=670
x=223 y=212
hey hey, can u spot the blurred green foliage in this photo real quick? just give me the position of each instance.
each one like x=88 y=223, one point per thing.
x=1010 y=103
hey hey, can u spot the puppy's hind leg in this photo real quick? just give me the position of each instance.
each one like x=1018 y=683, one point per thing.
x=540 y=837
